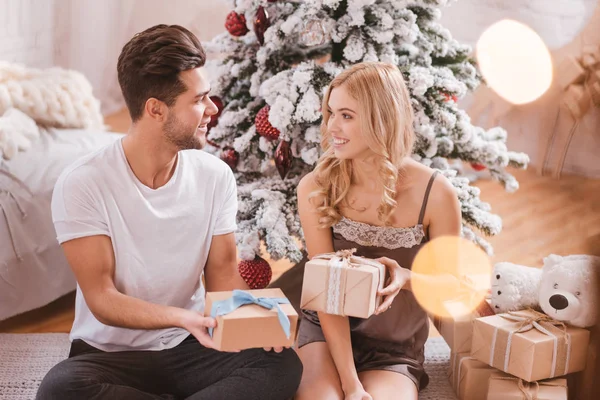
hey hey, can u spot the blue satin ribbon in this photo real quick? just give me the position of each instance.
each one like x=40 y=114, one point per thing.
x=241 y=298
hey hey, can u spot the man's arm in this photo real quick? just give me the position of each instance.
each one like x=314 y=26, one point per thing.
x=221 y=269
x=92 y=260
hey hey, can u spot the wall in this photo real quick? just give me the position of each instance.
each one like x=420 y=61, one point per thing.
x=87 y=35
x=531 y=126
x=558 y=22
x=26 y=32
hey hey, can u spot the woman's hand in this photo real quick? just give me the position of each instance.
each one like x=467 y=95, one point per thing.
x=399 y=277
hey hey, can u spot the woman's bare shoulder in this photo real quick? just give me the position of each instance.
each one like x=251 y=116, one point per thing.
x=308 y=183
x=419 y=176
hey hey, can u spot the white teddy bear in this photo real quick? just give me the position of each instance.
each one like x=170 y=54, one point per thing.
x=514 y=287
x=565 y=288
x=569 y=289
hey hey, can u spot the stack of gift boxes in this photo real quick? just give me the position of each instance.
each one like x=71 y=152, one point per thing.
x=516 y=355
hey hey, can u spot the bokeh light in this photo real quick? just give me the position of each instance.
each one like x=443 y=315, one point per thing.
x=514 y=61
x=450 y=276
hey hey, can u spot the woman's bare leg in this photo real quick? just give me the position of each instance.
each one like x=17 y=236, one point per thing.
x=320 y=379
x=388 y=385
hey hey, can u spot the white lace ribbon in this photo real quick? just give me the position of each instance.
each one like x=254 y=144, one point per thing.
x=336 y=266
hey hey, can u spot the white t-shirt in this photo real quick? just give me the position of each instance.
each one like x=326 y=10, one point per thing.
x=160 y=237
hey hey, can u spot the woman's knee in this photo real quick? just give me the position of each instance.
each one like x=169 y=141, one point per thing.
x=320 y=379
x=322 y=389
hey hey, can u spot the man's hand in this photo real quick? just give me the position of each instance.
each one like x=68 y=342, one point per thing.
x=398 y=277
x=198 y=325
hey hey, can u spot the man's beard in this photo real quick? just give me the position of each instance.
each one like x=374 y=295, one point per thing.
x=181 y=136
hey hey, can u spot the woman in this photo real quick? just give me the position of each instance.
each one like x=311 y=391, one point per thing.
x=366 y=192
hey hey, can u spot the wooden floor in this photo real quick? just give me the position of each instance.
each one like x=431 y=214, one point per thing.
x=544 y=216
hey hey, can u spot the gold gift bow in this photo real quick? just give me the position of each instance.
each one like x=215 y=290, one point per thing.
x=580 y=93
x=339 y=261
x=543 y=324
x=525 y=387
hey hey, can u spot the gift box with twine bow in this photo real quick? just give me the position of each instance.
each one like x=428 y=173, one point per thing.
x=469 y=377
x=505 y=387
x=342 y=284
x=529 y=345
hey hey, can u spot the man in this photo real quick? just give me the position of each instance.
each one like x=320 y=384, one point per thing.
x=140 y=221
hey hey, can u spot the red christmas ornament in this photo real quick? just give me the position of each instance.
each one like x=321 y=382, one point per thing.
x=261 y=24
x=215 y=118
x=236 y=24
x=283 y=158
x=263 y=126
x=450 y=97
x=256 y=273
x=230 y=156
x=477 y=166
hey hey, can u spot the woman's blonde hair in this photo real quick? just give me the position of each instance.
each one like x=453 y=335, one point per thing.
x=387 y=125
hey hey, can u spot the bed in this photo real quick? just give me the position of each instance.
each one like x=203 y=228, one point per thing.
x=33 y=268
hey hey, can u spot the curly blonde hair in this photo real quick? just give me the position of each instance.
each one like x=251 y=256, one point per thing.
x=386 y=119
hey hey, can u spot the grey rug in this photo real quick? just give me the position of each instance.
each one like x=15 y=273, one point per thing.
x=26 y=358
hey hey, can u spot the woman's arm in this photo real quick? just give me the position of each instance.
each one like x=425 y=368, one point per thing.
x=442 y=218
x=336 y=329
x=443 y=210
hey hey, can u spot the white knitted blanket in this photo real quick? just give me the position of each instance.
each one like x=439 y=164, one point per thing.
x=26 y=358
x=53 y=97
x=17 y=132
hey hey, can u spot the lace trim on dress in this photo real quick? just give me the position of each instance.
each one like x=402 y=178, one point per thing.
x=379 y=236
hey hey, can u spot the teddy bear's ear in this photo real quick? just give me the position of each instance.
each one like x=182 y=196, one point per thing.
x=551 y=261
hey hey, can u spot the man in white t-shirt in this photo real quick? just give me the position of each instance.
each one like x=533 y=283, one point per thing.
x=140 y=222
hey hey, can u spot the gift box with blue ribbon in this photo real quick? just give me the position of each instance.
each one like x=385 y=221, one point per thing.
x=249 y=319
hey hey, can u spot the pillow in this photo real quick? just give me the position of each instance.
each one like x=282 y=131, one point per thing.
x=17 y=132
x=53 y=97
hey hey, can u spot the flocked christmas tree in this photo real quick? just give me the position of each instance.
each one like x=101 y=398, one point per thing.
x=276 y=59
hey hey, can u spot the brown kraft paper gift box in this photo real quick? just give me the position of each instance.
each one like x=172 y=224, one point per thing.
x=342 y=284
x=505 y=387
x=581 y=383
x=469 y=377
x=529 y=345
x=458 y=330
x=251 y=325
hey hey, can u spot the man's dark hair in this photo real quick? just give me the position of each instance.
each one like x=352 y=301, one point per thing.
x=150 y=63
